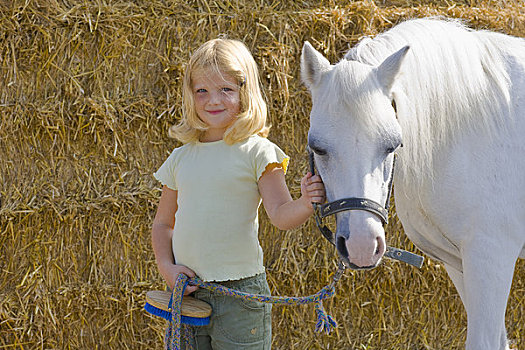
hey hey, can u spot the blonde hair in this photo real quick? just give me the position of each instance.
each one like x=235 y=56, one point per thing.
x=230 y=57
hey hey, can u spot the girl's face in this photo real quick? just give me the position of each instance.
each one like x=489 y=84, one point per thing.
x=217 y=101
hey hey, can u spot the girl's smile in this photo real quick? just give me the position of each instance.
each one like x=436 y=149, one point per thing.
x=217 y=101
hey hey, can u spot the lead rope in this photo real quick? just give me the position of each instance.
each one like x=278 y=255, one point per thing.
x=175 y=338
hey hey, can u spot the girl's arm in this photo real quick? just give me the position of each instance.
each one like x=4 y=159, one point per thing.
x=161 y=234
x=283 y=211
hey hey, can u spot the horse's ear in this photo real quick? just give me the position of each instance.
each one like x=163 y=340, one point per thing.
x=388 y=70
x=313 y=64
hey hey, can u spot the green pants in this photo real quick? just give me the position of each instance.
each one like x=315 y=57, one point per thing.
x=236 y=323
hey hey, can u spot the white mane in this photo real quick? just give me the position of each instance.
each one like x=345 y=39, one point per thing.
x=452 y=78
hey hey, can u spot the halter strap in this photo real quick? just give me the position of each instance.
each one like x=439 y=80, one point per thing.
x=354 y=203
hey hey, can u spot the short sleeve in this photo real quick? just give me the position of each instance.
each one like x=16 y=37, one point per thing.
x=269 y=154
x=167 y=172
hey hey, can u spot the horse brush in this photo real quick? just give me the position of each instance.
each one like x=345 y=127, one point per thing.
x=194 y=312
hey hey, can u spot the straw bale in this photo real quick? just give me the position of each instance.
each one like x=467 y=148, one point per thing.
x=88 y=90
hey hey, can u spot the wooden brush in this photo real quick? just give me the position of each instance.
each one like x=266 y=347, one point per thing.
x=195 y=312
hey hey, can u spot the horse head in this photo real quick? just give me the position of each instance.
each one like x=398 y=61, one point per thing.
x=353 y=134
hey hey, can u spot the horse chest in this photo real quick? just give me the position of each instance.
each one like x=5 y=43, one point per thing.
x=426 y=229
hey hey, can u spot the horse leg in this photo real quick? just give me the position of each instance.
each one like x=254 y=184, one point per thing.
x=487 y=278
x=457 y=278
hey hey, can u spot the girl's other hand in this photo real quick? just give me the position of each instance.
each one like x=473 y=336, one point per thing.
x=173 y=271
x=312 y=188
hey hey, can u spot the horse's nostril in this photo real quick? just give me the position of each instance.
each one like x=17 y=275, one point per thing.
x=379 y=246
x=341 y=246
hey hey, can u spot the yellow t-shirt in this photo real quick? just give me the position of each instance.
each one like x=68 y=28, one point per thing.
x=216 y=224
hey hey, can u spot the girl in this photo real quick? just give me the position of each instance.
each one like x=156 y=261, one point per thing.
x=206 y=222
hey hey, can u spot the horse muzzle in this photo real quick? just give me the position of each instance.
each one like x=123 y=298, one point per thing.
x=362 y=244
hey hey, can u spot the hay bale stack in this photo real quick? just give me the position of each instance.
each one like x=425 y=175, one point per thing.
x=87 y=93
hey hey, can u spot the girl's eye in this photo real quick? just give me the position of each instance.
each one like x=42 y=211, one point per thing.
x=226 y=89
x=200 y=90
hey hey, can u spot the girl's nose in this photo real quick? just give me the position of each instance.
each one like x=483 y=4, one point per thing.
x=215 y=98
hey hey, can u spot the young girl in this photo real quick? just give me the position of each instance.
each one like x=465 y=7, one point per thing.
x=206 y=222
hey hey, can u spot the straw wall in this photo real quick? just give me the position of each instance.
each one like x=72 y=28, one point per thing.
x=87 y=92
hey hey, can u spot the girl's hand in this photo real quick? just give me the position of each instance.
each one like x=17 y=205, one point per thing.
x=312 y=189
x=171 y=273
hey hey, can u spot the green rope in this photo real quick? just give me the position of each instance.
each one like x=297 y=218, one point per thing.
x=174 y=338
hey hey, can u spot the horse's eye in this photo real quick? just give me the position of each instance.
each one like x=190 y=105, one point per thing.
x=393 y=102
x=318 y=151
x=392 y=149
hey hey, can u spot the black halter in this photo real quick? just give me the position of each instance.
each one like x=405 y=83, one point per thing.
x=356 y=203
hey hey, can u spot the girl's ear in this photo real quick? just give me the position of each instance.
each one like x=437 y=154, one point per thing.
x=313 y=65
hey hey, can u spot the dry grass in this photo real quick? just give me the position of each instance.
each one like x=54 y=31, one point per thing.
x=87 y=92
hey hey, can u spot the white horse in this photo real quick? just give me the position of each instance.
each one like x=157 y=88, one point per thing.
x=454 y=98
